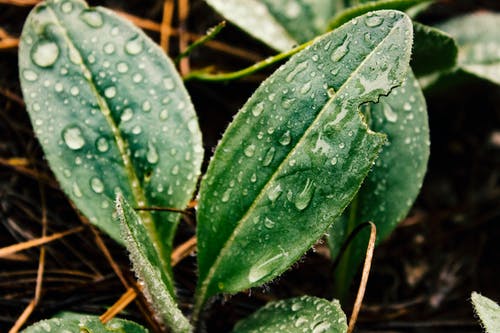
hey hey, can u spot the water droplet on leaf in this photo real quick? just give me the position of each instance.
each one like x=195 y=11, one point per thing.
x=96 y=185
x=285 y=139
x=303 y=199
x=30 y=75
x=72 y=136
x=45 y=53
x=134 y=46
x=92 y=18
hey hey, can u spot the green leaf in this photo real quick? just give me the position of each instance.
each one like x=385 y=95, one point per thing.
x=296 y=154
x=433 y=50
x=296 y=315
x=111 y=113
x=368 y=6
x=84 y=323
x=487 y=311
x=393 y=184
x=478 y=42
x=147 y=265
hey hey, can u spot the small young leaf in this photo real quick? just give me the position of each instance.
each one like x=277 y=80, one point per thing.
x=84 y=323
x=478 y=41
x=391 y=187
x=111 y=113
x=147 y=265
x=296 y=154
x=433 y=50
x=487 y=311
x=296 y=315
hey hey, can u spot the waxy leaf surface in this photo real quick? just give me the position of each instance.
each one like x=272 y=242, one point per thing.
x=296 y=154
x=84 y=323
x=487 y=311
x=391 y=187
x=478 y=43
x=296 y=315
x=111 y=113
x=147 y=267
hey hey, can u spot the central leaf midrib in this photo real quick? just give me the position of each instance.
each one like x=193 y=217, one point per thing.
x=137 y=191
x=211 y=272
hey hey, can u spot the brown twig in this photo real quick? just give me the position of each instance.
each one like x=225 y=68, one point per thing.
x=26 y=3
x=183 y=250
x=183 y=12
x=12 y=249
x=166 y=25
x=121 y=304
x=364 y=277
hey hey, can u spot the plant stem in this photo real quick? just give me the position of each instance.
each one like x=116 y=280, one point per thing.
x=203 y=75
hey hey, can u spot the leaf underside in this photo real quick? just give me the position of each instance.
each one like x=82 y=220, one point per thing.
x=296 y=154
x=297 y=315
x=478 y=42
x=393 y=184
x=146 y=264
x=111 y=114
x=84 y=323
x=487 y=311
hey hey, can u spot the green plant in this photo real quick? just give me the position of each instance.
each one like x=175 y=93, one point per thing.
x=487 y=311
x=115 y=122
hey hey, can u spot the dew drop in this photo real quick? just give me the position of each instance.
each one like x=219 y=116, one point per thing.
x=109 y=48
x=299 y=68
x=253 y=178
x=74 y=91
x=285 y=139
x=321 y=327
x=226 y=195
x=102 y=144
x=76 y=190
x=92 y=18
x=296 y=306
x=110 y=92
x=134 y=46
x=175 y=170
x=268 y=223
x=373 y=21
x=67 y=7
x=407 y=106
x=341 y=51
x=333 y=161
x=36 y=107
x=45 y=53
x=249 y=150
x=127 y=114
x=96 y=185
x=305 y=88
x=304 y=198
x=389 y=113
x=137 y=130
x=137 y=78
x=169 y=83
x=74 y=56
x=268 y=158
x=274 y=193
x=30 y=75
x=58 y=87
x=152 y=154
x=261 y=270
x=72 y=136
x=300 y=321
x=122 y=67
x=257 y=110
x=331 y=92
x=164 y=114
x=146 y=106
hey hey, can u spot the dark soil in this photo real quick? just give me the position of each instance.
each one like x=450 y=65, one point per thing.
x=421 y=279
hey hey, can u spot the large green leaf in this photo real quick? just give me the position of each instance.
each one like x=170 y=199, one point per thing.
x=147 y=267
x=111 y=113
x=478 y=41
x=393 y=184
x=433 y=50
x=83 y=323
x=296 y=315
x=487 y=311
x=296 y=154
x=280 y=24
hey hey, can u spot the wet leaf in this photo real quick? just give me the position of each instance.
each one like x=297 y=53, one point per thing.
x=111 y=113
x=84 y=323
x=280 y=24
x=487 y=311
x=296 y=154
x=146 y=264
x=296 y=315
x=433 y=50
x=392 y=186
x=478 y=43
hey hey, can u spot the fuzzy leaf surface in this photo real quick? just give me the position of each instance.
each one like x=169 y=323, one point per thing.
x=393 y=184
x=84 y=323
x=111 y=113
x=478 y=42
x=487 y=311
x=296 y=154
x=296 y=315
x=147 y=267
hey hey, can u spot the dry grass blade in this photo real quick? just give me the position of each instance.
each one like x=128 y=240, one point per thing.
x=121 y=304
x=183 y=250
x=166 y=25
x=26 y=3
x=183 y=12
x=9 y=250
x=364 y=277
